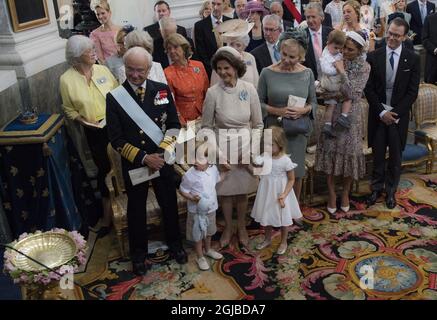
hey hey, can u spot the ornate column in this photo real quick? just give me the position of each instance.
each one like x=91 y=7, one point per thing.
x=36 y=57
x=30 y=51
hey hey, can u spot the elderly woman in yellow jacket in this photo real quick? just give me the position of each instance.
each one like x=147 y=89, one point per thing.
x=83 y=89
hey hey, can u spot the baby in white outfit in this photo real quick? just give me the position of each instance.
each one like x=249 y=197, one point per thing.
x=331 y=81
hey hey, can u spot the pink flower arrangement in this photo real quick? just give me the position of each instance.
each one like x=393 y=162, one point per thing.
x=44 y=277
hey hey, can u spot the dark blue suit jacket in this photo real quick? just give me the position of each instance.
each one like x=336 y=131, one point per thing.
x=416 y=20
x=124 y=134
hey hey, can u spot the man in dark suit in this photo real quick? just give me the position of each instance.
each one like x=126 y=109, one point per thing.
x=205 y=37
x=167 y=27
x=317 y=36
x=267 y=53
x=419 y=9
x=276 y=8
x=162 y=9
x=391 y=90
x=138 y=149
x=429 y=41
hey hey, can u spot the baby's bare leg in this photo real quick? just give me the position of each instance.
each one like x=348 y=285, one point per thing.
x=346 y=106
x=328 y=113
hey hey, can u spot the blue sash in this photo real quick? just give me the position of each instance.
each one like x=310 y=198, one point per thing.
x=137 y=114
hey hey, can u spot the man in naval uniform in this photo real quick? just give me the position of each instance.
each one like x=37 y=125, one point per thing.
x=139 y=146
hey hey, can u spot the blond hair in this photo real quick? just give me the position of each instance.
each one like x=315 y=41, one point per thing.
x=177 y=40
x=355 y=6
x=295 y=43
x=139 y=38
x=278 y=137
x=102 y=4
x=203 y=8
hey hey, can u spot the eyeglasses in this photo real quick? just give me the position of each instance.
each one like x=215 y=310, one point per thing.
x=270 y=29
x=133 y=70
x=393 y=35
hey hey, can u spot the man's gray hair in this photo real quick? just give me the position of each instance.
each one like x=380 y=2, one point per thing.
x=275 y=3
x=166 y=22
x=141 y=52
x=139 y=38
x=317 y=6
x=76 y=46
x=274 y=18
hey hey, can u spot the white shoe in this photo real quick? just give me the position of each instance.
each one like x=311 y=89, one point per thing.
x=331 y=210
x=203 y=264
x=281 y=249
x=214 y=254
x=345 y=209
x=263 y=245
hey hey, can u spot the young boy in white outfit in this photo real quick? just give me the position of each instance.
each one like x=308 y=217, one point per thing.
x=198 y=187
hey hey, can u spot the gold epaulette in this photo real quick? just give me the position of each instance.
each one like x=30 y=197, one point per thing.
x=168 y=143
x=129 y=152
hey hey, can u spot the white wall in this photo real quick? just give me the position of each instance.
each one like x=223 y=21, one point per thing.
x=185 y=11
x=140 y=12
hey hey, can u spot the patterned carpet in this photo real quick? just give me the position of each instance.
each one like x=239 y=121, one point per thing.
x=365 y=254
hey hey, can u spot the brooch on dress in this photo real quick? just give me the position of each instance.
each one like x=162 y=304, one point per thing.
x=196 y=70
x=248 y=63
x=243 y=95
x=161 y=98
x=101 y=80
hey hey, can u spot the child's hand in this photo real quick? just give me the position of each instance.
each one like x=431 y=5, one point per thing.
x=225 y=167
x=281 y=200
x=339 y=65
x=195 y=198
x=250 y=168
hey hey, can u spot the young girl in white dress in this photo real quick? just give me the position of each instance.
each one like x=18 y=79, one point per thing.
x=275 y=203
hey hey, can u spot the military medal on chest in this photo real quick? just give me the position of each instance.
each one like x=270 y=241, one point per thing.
x=161 y=98
x=163 y=119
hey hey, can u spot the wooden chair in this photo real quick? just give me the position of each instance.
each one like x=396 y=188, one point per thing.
x=310 y=156
x=115 y=184
x=414 y=154
x=425 y=117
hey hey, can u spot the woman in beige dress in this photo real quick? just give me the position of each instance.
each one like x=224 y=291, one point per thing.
x=233 y=104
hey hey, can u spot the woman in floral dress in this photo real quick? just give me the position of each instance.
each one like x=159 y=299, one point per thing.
x=343 y=155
